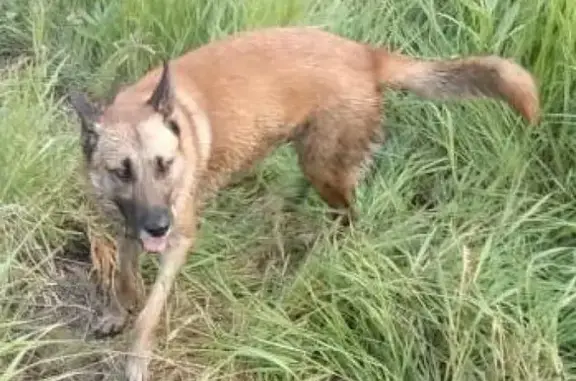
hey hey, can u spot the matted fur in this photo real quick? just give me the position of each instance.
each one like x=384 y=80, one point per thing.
x=172 y=139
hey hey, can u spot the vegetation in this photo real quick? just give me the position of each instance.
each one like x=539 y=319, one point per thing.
x=460 y=268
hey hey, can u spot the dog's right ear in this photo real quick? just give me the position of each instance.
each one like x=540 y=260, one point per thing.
x=89 y=115
x=162 y=99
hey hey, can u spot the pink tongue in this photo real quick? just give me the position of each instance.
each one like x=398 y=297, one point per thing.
x=154 y=244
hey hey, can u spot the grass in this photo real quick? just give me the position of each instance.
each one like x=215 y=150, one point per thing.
x=462 y=266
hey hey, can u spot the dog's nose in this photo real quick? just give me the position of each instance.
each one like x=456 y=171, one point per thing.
x=157 y=222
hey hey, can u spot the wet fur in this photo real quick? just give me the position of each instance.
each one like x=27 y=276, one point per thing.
x=233 y=102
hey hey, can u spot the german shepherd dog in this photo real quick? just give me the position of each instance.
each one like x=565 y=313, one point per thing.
x=167 y=143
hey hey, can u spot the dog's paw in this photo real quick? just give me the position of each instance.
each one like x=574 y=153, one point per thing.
x=110 y=324
x=136 y=368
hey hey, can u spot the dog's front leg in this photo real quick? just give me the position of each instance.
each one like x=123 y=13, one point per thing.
x=127 y=289
x=170 y=263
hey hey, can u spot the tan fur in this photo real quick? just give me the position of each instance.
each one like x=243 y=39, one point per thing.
x=103 y=257
x=237 y=99
x=468 y=77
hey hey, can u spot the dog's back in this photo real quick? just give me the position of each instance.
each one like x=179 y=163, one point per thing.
x=258 y=87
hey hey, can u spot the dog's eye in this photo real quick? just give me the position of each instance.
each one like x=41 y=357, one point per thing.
x=164 y=165
x=174 y=127
x=124 y=173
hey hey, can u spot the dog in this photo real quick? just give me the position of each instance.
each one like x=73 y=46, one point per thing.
x=167 y=143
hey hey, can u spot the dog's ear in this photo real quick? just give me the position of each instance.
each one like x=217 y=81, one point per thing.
x=115 y=87
x=89 y=115
x=162 y=99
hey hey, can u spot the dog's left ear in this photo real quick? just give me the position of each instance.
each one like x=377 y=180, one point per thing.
x=162 y=99
x=89 y=115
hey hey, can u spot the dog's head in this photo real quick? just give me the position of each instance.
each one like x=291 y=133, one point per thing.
x=134 y=158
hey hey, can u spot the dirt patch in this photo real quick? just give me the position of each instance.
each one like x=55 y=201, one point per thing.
x=64 y=310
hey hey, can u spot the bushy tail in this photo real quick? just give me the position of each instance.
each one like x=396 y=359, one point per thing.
x=469 y=77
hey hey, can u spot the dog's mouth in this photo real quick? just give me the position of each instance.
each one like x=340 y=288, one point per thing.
x=153 y=244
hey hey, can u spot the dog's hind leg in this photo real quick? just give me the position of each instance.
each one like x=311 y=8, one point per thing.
x=336 y=150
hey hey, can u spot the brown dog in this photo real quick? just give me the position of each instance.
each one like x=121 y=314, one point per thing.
x=168 y=142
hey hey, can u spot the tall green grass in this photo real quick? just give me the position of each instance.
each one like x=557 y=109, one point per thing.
x=460 y=268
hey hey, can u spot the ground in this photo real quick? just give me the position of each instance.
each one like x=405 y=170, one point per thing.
x=461 y=266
